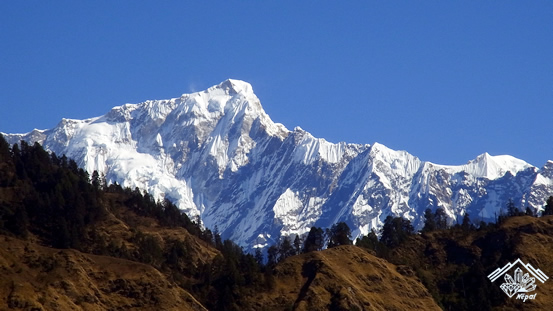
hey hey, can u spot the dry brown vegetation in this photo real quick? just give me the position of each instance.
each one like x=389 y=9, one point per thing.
x=34 y=277
x=454 y=264
x=343 y=278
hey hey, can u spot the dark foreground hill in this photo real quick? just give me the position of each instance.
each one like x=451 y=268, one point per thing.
x=454 y=264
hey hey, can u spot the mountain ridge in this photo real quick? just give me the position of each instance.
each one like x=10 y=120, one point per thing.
x=218 y=155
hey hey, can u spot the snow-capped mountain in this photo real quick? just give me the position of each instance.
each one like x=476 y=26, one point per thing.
x=219 y=156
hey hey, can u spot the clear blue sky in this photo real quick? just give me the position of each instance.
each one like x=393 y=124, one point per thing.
x=444 y=80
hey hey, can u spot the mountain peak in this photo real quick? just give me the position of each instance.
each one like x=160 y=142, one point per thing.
x=492 y=167
x=233 y=87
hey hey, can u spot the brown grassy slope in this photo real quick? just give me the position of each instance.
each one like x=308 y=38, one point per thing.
x=34 y=277
x=445 y=257
x=533 y=243
x=343 y=278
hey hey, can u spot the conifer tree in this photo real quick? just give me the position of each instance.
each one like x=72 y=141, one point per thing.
x=5 y=154
x=440 y=218
x=285 y=249
x=20 y=222
x=429 y=222
x=466 y=224
x=259 y=256
x=96 y=183
x=511 y=208
x=314 y=240
x=395 y=230
x=339 y=234
x=6 y=165
x=18 y=162
x=217 y=238
x=297 y=244
x=369 y=241
x=272 y=255
x=548 y=209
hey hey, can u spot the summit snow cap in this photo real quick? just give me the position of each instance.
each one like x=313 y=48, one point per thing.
x=236 y=86
x=493 y=167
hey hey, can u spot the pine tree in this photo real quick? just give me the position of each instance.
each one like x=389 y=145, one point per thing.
x=395 y=230
x=5 y=154
x=272 y=255
x=18 y=162
x=466 y=225
x=339 y=234
x=369 y=241
x=429 y=222
x=96 y=183
x=440 y=218
x=314 y=240
x=61 y=234
x=7 y=169
x=297 y=244
x=19 y=222
x=511 y=208
x=217 y=238
x=548 y=209
x=259 y=256
x=285 y=249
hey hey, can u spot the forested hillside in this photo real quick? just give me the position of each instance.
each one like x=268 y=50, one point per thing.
x=454 y=262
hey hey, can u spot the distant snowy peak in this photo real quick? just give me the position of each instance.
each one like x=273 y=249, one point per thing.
x=493 y=167
x=487 y=166
x=399 y=161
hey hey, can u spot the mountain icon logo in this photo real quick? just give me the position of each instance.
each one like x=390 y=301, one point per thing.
x=519 y=282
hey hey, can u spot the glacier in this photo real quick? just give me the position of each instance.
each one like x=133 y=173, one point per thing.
x=220 y=157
